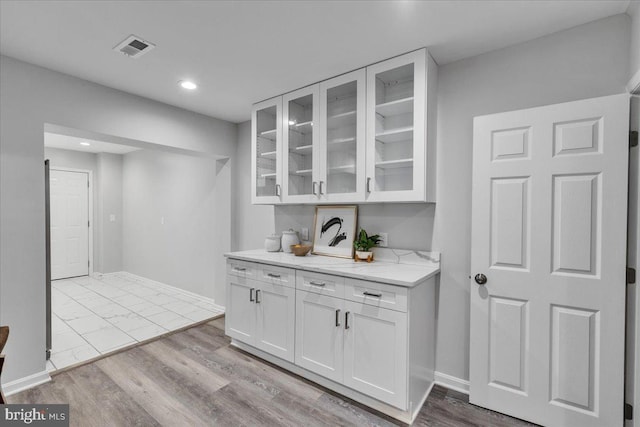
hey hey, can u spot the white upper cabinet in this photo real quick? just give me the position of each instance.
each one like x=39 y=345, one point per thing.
x=397 y=136
x=364 y=136
x=266 y=152
x=342 y=138
x=300 y=145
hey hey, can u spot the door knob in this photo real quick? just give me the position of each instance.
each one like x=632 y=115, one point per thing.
x=481 y=279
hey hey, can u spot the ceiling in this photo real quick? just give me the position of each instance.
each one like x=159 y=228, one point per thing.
x=240 y=52
x=53 y=140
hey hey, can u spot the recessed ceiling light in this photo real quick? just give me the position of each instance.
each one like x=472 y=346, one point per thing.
x=187 y=84
x=86 y=144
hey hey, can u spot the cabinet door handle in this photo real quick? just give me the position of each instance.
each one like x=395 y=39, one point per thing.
x=239 y=269
x=346 y=320
x=251 y=294
x=278 y=190
x=320 y=188
x=337 y=317
x=317 y=283
x=313 y=188
x=372 y=294
x=368 y=185
x=258 y=301
x=275 y=276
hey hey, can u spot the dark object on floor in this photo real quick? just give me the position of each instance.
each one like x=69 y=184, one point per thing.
x=4 y=336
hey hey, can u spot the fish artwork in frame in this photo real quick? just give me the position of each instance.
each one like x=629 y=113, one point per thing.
x=334 y=230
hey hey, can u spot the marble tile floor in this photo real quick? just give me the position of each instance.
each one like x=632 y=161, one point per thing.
x=94 y=316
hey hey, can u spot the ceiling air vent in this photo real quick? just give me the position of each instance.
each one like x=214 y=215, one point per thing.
x=134 y=46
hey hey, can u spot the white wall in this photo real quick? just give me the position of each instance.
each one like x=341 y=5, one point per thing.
x=586 y=61
x=109 y=202
x=170 y=219
x=31 y=96
x=634 y=62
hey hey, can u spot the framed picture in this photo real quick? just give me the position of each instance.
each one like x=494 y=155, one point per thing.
x=334 y=230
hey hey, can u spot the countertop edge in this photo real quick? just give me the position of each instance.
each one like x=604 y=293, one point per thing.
x=427 y=276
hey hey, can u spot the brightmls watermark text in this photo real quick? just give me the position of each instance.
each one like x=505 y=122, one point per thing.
x=34 y=415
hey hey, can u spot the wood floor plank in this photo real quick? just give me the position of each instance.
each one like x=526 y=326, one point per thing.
x=195 y=378
x=156 y=399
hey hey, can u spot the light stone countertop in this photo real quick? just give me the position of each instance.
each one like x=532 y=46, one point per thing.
x=393 y=266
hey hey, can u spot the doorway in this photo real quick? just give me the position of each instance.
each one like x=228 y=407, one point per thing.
x=71 y=223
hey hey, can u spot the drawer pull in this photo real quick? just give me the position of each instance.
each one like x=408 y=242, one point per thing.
x=275 y=276
x=346 y=320
x=239 y=269
x=257 y=296
x=251 y=294
x=371 y=294
x=338 y=317
x=317 y=283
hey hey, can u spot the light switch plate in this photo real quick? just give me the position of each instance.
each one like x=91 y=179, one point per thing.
x=304 y=234
x=384 y=240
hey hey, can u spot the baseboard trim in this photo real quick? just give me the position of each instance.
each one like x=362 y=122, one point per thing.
x=454 y=383
x=168 y=287
x=21 y=384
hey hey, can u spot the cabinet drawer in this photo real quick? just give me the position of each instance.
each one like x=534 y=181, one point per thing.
x=241 y=269
x=324 y=284
x=276 y=275
x=377 y=294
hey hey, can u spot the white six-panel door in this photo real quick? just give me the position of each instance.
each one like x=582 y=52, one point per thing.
x=69 y=224
x=549 y=234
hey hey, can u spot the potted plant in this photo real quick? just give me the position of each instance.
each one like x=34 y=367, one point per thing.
x=363 y=245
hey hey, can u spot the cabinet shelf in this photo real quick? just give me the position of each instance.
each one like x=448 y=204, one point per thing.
x=395 y=135
x=271 y=175
x=269 y=154
x=394 y=108
x=303 y=172
x=303 y=127
x=302 y=149
x=395 y=164
x=345 y=169
x=269 y=134
x=342 y=119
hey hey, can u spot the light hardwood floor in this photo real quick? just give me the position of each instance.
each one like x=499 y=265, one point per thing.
x=194 y=378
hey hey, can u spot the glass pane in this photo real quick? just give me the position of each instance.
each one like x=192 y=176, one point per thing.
x=394 y=129
x=300 y=145
x=266 y=152
x=341 y=138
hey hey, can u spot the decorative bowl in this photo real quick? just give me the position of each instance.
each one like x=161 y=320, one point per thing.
x=300 y=250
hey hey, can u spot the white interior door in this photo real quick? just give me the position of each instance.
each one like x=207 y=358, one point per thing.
x=549 y=234
x=69 y=224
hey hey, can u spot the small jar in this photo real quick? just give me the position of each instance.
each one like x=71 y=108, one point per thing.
x=289 y=238
x=272 y=243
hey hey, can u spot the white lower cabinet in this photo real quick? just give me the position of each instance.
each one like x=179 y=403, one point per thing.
x=240 y=316
x=319 y=334
x=371 y=341
x=262 y=315
x=275 y=315
x=375 y=352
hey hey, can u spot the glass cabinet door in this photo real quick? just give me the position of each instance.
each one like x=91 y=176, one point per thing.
x=300 y=145
x=266 y=149
x=342 y=112
x=396 y=128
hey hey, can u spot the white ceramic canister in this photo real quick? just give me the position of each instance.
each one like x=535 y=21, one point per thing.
x=272 y=243
x=289 y=238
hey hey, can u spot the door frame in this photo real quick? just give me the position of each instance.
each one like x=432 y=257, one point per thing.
x=90 y=201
